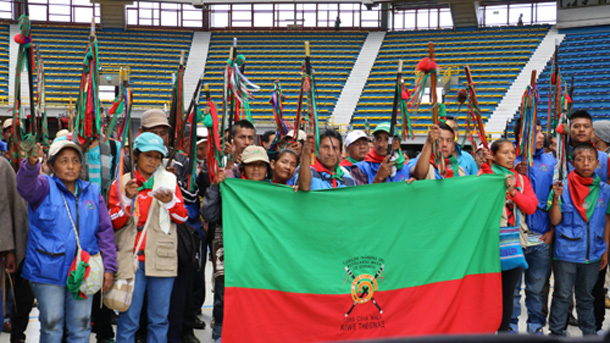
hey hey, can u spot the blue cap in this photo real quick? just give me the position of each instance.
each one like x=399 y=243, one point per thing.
x=148 y=141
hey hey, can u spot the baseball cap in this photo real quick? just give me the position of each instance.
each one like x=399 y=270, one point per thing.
x=302 y=134
x=202 y=135
x=153 y=118
x=62 y=133
x=7 y=123
x=59 y=145
x=254 y=153
x=383 y=127
x=354 y=136
x=148 y=141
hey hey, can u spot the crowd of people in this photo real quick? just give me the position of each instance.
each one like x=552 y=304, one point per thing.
x=72 y=204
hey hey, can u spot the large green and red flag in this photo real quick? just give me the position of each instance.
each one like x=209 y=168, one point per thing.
x=371 y=261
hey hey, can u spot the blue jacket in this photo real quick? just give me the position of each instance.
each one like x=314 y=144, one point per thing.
x=51 y=244
x=541 y=178
x=370 y=170
x=324 y=180
x=602 y=167
x=466 y=161
x=576 y=240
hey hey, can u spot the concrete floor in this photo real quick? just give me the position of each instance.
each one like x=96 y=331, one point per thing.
x=205 y=336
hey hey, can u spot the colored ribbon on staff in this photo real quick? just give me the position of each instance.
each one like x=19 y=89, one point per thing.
x=527 y=139
x=214 y=149
x=127 y=102
x=19 y=140
x=41 y=103
x=277 y=105
x=405 y=95
x=88 y=115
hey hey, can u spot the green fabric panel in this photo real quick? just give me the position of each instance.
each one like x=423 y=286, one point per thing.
x=429 y=231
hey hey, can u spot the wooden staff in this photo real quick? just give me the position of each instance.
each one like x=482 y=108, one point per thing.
x=475 y=102
x=183 y=122
x=397 y=95
x=123 y=75
x=297 y=122
x=433 y=86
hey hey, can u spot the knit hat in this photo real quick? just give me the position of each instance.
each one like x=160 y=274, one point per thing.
x=148 y=141
x=602 y=130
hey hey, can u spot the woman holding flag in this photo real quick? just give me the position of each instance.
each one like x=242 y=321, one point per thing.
x=145 y=209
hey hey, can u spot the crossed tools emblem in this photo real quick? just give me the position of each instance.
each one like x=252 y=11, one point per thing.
x=363 y=288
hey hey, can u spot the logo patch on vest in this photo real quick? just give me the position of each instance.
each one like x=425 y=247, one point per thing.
x=600 y=202
x=544 y=167
x=89 y=205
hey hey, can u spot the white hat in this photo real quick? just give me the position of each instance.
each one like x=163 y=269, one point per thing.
x=354 y=136
x=7 y=123
x=302 y=134
x=202 y=135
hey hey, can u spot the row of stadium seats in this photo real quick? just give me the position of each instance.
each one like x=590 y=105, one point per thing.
x=271 y=57
x=580 y=51
x=152 y=57
x=495 y=57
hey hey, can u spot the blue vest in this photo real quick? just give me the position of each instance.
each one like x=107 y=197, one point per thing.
x=325 y=181
x=541 y=178
x=51 y=246
x=602 y=167
x=371 y=168
x=576 y=240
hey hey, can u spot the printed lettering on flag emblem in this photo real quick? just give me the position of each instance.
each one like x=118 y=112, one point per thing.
x=365 y=273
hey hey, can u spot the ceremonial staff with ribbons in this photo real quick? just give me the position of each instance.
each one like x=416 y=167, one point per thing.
x=397 y=97
x=88 y=118
x=277 y=105
x=214 y=147
x=527 y=138
x=308 y=90
x=41 y=103
x=188 y=115
x=176 y=109
x=19 y=139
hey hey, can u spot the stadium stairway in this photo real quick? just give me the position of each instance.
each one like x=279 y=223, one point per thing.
x=508 y=107
x=195 y=65
x=352 y=91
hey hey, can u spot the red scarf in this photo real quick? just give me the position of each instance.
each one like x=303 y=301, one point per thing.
x=583 y=192
x=373 y=156
x=452 y=167
x=337 y=174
